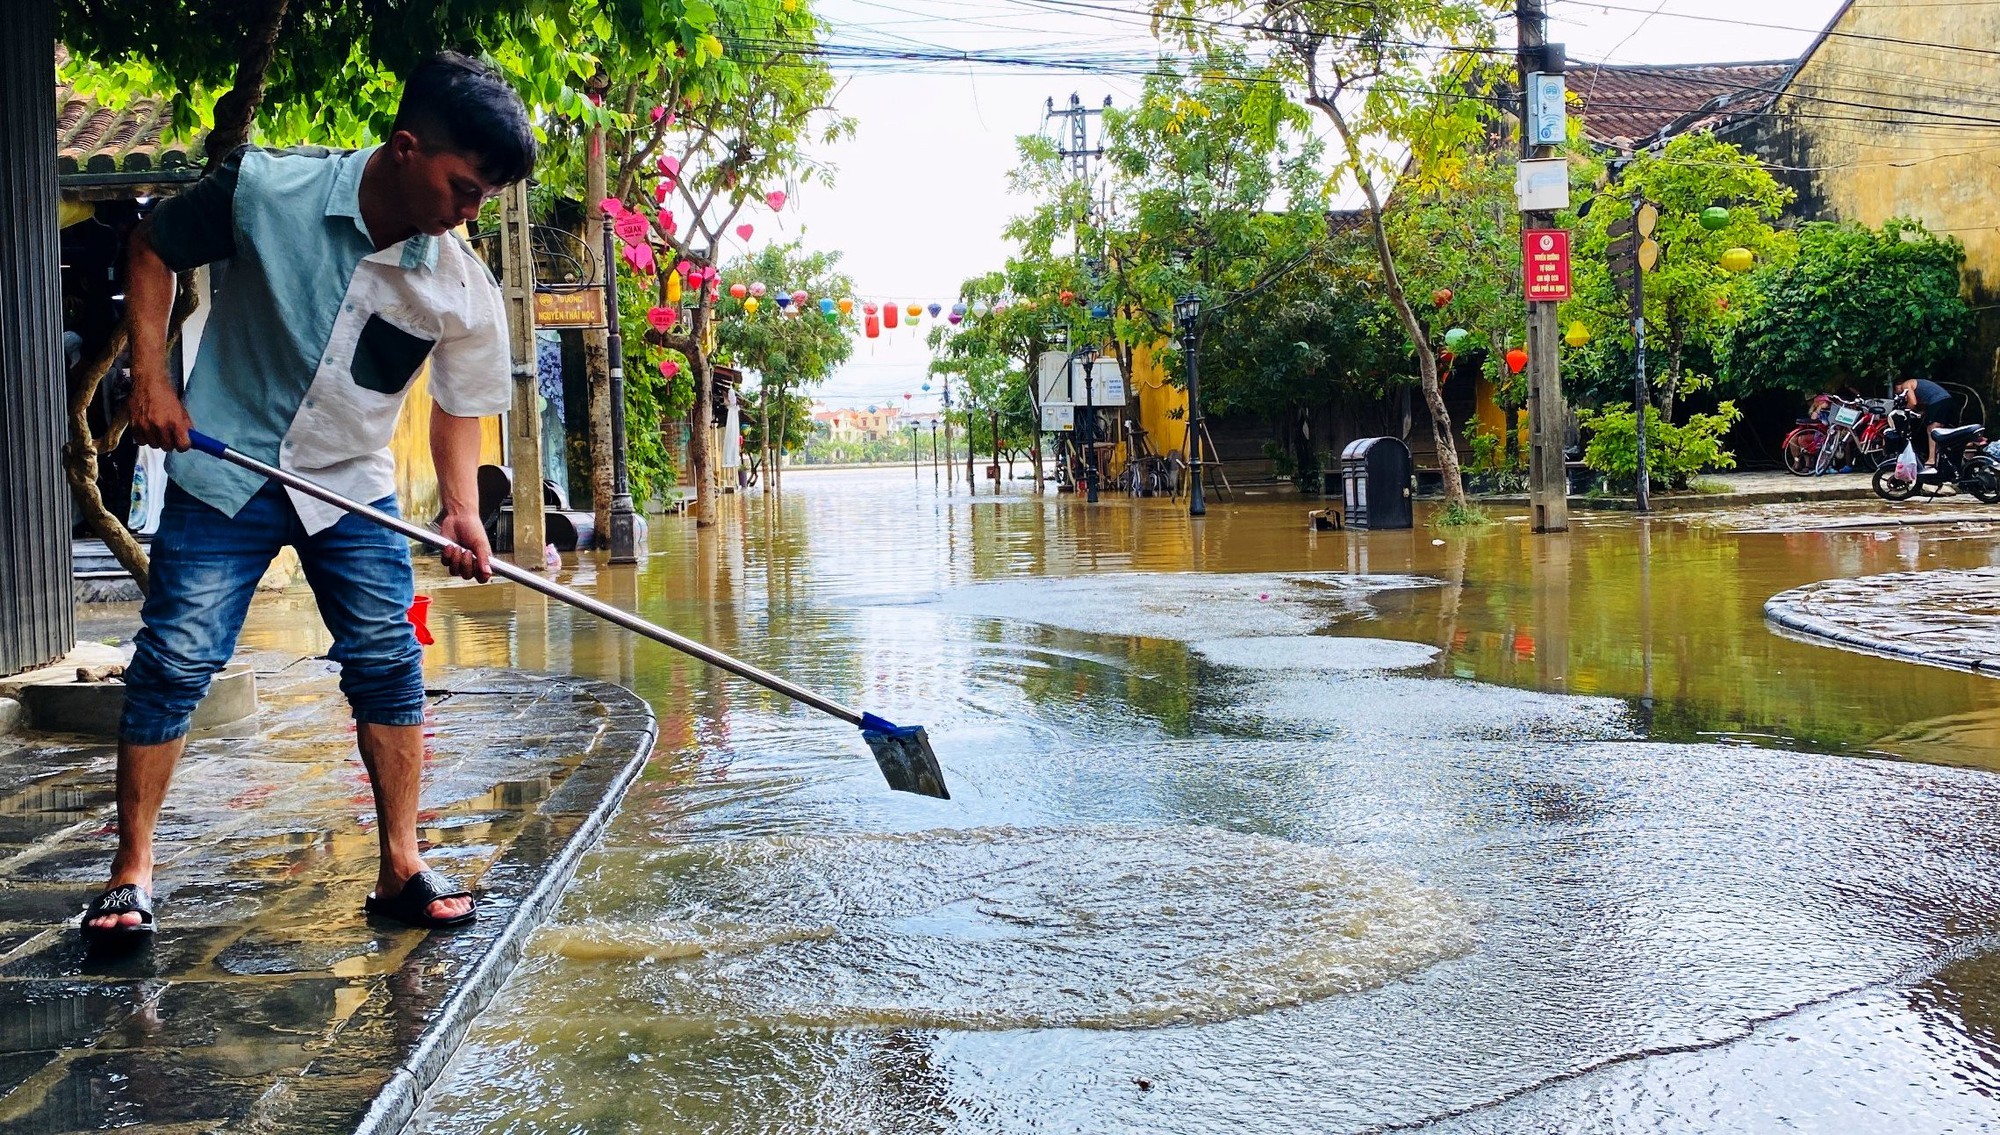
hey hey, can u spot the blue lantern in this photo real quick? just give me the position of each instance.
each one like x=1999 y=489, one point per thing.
x=958 y=309
x=784 y=301
x=935 y=308
x=1099 y=311
x=826 y=307
x=927 y=388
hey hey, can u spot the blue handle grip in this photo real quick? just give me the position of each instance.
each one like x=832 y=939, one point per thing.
x=205 y=443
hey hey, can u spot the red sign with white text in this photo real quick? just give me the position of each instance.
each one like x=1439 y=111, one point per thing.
x=1545 y=264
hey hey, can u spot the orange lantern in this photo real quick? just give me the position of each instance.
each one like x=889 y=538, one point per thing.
x=1517 y=361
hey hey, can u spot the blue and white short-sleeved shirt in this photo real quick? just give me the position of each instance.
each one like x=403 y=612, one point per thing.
x=315 y=336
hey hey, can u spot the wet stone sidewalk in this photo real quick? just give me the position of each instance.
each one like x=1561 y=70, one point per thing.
x=270 y=1003
x=1948 y=618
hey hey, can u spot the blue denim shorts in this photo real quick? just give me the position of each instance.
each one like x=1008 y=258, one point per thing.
x=205 y=568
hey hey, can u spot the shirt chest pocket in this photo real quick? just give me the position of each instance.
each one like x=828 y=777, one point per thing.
x=386 y=357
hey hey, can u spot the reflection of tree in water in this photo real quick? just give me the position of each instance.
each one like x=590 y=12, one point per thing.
x=1960 y=1006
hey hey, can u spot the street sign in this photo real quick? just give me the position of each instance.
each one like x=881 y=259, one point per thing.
x=583 y=307
x=1545 y=264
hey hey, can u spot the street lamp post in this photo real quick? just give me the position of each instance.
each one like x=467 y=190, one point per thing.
x=1089 y=357
x=1187 y=312
x=628 y=529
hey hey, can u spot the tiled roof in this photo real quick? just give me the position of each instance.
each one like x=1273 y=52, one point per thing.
x=1625 y=105
x=94 y=139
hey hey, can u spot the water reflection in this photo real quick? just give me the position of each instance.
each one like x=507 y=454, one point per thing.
x=1669 y=929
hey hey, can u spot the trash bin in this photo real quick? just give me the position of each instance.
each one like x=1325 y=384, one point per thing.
x=1376 y=477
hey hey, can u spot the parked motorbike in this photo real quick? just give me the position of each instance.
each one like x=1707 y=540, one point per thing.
x=1964 y=459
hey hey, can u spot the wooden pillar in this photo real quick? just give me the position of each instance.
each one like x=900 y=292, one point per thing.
x=524 y=422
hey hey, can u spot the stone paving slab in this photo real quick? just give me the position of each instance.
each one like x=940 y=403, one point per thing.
x=1948 y=618
x=269 y=1002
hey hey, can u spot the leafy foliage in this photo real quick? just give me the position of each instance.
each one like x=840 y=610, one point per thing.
x=1857 y=306
x=790 y=353
x=1690 y=298
x=1673 y=453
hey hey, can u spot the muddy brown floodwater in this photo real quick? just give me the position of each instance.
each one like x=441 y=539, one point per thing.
x=1256 y=829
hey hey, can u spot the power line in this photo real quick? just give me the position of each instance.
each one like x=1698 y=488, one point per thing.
x=1829 y=32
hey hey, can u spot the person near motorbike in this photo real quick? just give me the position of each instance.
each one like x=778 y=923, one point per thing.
x=1937 y=406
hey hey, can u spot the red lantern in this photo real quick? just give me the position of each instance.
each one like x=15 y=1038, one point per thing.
x=873 y=327
x=1444 y=359
x=1441 y=297
x=1517 y=361
x=889 y=316
x=738 y=291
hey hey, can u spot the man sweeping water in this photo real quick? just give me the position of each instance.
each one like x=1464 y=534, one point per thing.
x=338 y=278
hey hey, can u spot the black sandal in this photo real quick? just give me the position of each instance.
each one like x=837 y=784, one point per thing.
x=124 y=898
x=411 y=905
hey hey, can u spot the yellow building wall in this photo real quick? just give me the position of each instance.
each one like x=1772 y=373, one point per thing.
x=416 y=477
x=1162 y=403
x=1869 y=166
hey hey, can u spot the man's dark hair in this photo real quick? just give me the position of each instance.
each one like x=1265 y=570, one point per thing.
x=462 y=105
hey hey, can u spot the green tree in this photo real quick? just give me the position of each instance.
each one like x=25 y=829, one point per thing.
x=791 y=348
x=1408 y=89
x=1690 y=298
x=1857 y=306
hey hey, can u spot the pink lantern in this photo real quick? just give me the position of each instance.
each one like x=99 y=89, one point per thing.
x=775 y=199
x=758 y=288
x=744 y=231
x=954 y=319
x=660 y=192
x=685 y=268
x=667 y=223
x=612 y=207
x=659 y=112
x=669 y=165
x=660 y=318
x=669 y=368
x=632 y=228
x=799 y=297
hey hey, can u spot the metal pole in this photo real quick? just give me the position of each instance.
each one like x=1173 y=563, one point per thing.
x=1090 y=434
x=934 y=454
x=1548 y=479
x=996 y=450
x=950 y=475
x=627 y=527
x=1197 y=504
x=1640 y=396
x=916 y=470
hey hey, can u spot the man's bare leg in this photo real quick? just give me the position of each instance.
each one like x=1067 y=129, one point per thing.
x=143 y=774
x=394 y=755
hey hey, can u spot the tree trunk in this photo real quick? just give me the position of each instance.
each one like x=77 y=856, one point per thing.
x=236 y=110
x=702 y=431
x=1510 y=450
x=1671 y=387
x=1441 y=431
x=597 y=346
x=784 y=432
x=770 y=467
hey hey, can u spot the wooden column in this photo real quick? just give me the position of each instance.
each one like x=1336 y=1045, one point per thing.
x=524 y=422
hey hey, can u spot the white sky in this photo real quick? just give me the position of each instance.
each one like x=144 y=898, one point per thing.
x=920 y=195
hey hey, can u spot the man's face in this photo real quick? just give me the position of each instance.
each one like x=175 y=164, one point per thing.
x=441 y=189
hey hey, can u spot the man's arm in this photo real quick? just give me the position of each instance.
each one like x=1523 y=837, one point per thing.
x=158 y=417
x=455 y=454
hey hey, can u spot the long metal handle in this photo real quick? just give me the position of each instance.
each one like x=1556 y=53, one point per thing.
x=535 y=582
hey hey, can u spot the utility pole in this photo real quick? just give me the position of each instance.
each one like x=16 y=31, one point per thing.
x=524 y=421
x=1078 y=151
x=1548 y=479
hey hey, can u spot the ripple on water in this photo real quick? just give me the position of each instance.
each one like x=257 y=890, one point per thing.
x=1106 y=926
x=1315 y=652
x=1188 y=607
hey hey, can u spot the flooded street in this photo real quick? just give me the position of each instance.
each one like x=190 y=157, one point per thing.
x=1254 y=829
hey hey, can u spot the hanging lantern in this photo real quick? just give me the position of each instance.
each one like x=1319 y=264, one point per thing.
x=958 y=309
x=1738 y=260
x=934 y=310
x=1715 y=218
x=660 y=319
x=832 y=317
x=674 y=287
x=915 y=311
x=927 y=388
x=1444 y=360
x=685 y=268
x=758 y=289
x=1578 y=335
x=744 y=231
x=775 y=199
x=1067 y=297
x=889 y=313
x=799 y=297
x=1441 y=297
x=669 y=368
x=999 y=306
x=738 y=291
x=750 y=306
x=907 y=396
x=1099 y=311
x=1517 y=361
x=1456 y=337
x=846 y=306
x=784 y=301
x=869 y=309
x=826 y=307
x=872 y=327
x=955 y=318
